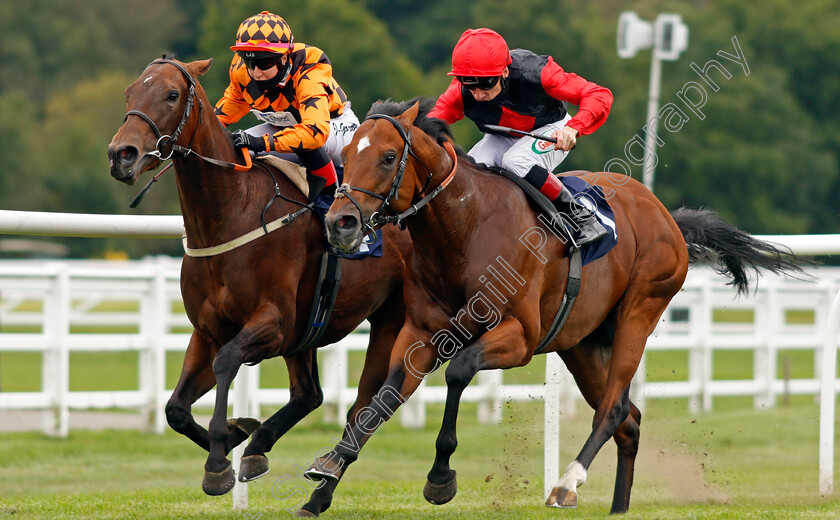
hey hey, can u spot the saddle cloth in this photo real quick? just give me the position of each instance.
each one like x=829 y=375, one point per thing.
x=593 y=198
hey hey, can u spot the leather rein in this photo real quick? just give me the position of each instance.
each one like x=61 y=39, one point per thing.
x=384 y=215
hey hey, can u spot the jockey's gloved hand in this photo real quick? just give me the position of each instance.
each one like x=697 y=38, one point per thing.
x=242 y=139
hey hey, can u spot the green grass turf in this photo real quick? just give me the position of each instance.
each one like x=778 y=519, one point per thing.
x=733 y=464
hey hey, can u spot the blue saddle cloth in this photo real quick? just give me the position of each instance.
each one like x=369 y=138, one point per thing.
x=593 y=198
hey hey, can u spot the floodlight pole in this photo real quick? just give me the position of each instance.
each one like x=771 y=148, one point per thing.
x=667 y=37
x=652 y=121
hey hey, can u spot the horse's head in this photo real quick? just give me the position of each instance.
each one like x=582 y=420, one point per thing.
x=380 y=179
x=158 y=107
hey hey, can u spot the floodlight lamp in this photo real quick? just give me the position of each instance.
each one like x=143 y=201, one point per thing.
x=634 y=34
x=671 y=37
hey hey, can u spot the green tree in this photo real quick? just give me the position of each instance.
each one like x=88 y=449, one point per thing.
x=48 y=45
x=364 y=58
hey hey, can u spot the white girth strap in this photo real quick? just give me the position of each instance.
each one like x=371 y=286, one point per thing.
x=295 y=173
x=236 y=242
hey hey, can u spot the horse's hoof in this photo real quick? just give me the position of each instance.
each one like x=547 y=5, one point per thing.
x=324 y=468
x=252 y=467
x=562 y=497
x=218 y=483
x=244 y=424
x=440 y=494
x=303 y=513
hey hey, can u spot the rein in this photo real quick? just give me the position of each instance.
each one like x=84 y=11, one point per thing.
x=381 y=217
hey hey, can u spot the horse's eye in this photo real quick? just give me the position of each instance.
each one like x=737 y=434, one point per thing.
x=389 y=159
x=173 y=96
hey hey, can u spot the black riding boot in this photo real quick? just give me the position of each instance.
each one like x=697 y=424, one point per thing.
x=586 y=227
x=316 y=186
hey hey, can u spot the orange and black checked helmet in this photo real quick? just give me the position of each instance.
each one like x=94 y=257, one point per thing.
x=263 y=34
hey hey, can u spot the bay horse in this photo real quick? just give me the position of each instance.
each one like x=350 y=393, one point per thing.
x=252 y=302
x=482 y=287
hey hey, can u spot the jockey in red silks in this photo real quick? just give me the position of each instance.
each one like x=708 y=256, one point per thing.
x=525 y=91
x=290 y=86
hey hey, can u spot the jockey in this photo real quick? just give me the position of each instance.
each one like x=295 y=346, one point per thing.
x=525 y=91
x=291 y=88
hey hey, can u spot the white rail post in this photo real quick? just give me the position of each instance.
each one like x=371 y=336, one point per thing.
x=241 y=385
x=490 y=406
x=637 y=384
x=766 y=314
x=155 y=312
x=413 y=411
x=827 y=397
x=56 y=360
x=551 y=432
x=334 y=366
x=777 y=322
x=707 y=371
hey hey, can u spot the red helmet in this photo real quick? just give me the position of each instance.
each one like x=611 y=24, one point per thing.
x=480 y=52
x=262 y=35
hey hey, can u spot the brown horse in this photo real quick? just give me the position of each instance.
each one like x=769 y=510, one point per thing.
x=252 y=302
x=487 y=277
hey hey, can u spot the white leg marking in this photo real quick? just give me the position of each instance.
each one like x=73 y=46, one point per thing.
x=573 y=477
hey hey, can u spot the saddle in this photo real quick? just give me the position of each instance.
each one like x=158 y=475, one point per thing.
x=295 y=172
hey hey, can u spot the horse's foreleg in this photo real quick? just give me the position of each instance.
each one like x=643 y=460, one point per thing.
x=196 y=379
x=305 y=396
x=385 y=325
x=502 y=347
x=410 y=362
x=218 y=473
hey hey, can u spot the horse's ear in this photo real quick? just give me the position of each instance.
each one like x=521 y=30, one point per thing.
x=407 y=118
x=198 y=68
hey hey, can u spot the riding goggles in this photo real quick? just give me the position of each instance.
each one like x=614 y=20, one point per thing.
x=260 y=63
x=478 y=82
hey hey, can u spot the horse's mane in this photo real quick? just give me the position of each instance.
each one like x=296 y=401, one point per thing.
x=433 y=126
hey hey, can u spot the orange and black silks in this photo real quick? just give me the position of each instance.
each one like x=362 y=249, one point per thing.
x=311 y=95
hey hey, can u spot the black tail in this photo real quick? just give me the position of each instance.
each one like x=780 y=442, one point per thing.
x=729 y=250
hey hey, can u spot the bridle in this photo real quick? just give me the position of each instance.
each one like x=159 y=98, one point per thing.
x=384 y=215
x=168 y=141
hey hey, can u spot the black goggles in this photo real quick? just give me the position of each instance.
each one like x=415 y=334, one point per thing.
x=478 y=82
x=260 y=63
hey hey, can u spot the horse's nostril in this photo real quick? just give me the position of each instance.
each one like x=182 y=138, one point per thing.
x=127 y=154
x=347 y=222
